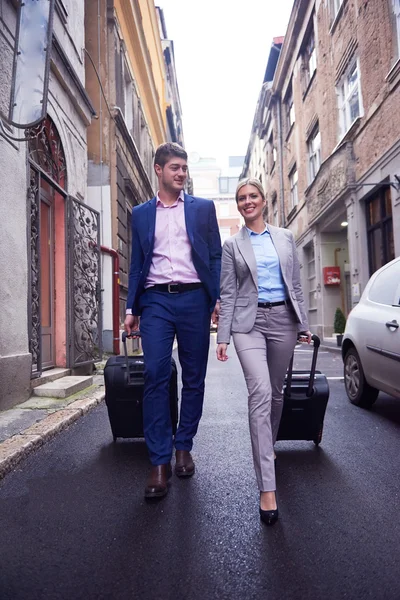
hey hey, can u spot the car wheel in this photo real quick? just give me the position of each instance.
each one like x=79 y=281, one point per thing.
x=358 y=390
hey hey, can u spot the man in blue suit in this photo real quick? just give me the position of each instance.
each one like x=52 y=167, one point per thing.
x=174 y=288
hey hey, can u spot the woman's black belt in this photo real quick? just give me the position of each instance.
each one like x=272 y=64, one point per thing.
x=271 y=304
x=175 y=288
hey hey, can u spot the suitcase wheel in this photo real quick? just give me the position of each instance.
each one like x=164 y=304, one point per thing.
x=317 y=440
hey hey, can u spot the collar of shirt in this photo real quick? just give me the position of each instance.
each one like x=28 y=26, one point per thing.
x=180 y=197
x=251 y=232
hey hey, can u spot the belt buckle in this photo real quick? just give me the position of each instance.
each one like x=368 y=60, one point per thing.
x=172 y=291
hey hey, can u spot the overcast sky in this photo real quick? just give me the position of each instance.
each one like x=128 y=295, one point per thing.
x=221 y=51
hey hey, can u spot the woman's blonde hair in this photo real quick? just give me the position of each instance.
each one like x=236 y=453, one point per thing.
x=249 y=181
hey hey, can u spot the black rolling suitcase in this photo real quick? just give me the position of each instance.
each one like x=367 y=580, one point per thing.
x=124 y=381
x=306 y=395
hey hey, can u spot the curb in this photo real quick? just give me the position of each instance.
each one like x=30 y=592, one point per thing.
x=331 y=349
x=19 y=446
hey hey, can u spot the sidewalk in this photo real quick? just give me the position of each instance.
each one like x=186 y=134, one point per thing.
x=31 y=424
x=330 y=344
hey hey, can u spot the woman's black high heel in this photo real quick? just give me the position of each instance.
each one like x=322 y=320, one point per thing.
x=269 y=517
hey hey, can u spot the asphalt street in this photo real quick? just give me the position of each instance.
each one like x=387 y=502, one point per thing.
x=74 y=523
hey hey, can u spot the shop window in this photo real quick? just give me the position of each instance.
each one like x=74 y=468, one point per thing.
x=311 y=278
x=380 y=229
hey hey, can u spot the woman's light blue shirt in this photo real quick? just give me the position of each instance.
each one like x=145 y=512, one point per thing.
x=271 y=287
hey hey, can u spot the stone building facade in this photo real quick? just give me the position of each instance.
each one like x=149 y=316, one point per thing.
x=326 y=127
x=44 y=279
x=138 y=107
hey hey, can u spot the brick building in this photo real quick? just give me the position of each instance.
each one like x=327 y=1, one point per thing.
x=326 y=144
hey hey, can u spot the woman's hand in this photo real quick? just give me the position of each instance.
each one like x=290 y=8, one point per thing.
x=221 y=352
x=304 y=336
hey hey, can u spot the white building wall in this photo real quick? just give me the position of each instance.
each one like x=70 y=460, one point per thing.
x=15 y=359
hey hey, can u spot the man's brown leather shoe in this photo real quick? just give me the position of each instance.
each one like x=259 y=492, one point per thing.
x=157 y=483
x=184 y=466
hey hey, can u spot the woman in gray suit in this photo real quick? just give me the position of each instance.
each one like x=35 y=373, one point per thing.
x=262 y=306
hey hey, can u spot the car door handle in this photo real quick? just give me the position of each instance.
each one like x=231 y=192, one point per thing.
x=393 y=323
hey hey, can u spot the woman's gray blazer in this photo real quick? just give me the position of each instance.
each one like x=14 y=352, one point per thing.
x=239 y=288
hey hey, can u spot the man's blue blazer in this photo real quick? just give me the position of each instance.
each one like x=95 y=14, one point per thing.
x=203 y=233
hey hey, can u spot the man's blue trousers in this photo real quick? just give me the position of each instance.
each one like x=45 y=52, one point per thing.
x=164 y=315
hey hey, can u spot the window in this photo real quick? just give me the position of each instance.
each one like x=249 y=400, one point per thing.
x=335 y=7
x=349 y=92
x=290 y=115
x=309 y=60
x=275 y=213
x=223 y=185
x=314 y=153
x=271 y=153
x=312 y=280
x=380 y=229
x=386 y=287
x=396 y=10
x=128 y=98
x=224 y=209
x=294 y=198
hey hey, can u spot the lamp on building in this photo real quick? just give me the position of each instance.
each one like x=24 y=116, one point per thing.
x=344 y=224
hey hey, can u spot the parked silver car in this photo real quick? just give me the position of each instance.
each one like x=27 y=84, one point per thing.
x=371 y=342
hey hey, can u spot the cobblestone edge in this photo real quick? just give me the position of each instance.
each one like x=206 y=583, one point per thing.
x=19 y=446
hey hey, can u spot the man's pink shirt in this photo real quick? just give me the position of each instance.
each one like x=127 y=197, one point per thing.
x=172 y=253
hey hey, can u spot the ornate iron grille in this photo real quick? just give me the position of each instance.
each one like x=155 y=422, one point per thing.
x=45 y=149
x=34 y=280
x=85 y=284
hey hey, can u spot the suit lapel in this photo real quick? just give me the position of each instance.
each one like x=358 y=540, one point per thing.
x=151 y=220
x=190 y=216
x=246 y=250
x=280 y=243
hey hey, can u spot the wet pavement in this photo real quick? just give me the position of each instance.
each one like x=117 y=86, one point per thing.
x=74 y=523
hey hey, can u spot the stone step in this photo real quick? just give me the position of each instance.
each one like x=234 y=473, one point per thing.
x=50 y=375
x=62 y=388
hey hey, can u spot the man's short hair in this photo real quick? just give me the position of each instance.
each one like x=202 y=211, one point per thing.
x=167 y=151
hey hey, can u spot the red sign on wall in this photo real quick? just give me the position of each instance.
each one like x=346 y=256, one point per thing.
x=331 y=275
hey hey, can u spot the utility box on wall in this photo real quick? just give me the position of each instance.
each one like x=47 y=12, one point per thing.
x=331 y=275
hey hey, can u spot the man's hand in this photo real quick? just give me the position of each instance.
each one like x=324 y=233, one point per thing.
x=215 y=313
x=221 y=352
x=131 y=324
x=304 y=336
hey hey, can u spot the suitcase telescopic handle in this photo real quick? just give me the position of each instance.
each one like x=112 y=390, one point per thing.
x=124 y=338
x=317 y=343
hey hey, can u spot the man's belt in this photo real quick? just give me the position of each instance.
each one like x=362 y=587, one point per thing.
x=175 y=288
x=271 y=304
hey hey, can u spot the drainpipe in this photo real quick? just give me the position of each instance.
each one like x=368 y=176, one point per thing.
x=280 y=141
x=115 y=295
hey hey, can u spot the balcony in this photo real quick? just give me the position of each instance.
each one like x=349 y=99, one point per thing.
x=332 y=181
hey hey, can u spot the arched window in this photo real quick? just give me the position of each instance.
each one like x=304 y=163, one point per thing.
x=46 y=150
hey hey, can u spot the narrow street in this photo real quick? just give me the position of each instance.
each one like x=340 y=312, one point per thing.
x=74 y=524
